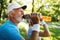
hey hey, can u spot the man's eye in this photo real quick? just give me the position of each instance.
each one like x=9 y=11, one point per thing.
x=20 y=11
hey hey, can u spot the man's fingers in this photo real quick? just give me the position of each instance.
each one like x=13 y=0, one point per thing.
x=35 y=19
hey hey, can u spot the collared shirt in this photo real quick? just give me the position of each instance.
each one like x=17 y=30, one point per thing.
x=9 y=31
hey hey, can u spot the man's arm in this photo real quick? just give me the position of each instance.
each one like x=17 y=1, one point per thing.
x=35 y=30
x=46 y=32
x=34 y=35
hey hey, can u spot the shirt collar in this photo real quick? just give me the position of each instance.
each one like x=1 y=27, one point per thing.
x=11 y=22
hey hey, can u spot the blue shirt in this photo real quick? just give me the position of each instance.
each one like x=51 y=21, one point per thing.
x=9 y=31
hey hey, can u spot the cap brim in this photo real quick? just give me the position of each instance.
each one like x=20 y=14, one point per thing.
x=24 y=7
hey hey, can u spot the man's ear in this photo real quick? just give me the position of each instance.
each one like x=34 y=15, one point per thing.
x=11 y=14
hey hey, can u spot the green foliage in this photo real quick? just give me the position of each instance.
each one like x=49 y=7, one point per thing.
x=49 y=8
x=56 y=33
x=3 y=7
x=23 y=32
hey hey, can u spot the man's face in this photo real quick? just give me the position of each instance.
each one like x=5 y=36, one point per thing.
x=18 y=13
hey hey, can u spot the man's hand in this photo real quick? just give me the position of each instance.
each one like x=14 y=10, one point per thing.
x=46 y=32
x=35 y=19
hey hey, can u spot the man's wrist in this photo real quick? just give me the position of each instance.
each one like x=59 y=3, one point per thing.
x=43 y=22
x=36 y=27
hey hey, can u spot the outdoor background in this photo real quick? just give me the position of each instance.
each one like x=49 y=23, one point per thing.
x=49 y=8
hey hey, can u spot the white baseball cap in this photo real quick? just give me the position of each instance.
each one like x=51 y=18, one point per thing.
x=15 y=5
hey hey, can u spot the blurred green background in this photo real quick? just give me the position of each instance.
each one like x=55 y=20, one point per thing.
x=46 y=7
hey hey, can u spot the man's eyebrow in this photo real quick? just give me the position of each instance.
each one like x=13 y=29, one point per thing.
x=15 y=9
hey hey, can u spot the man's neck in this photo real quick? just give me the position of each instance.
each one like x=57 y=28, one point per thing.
x=13 y=20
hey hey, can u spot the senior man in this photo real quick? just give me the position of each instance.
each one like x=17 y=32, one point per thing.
x=9 y=30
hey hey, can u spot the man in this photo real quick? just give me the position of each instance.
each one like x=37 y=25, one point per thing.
x=34 y=32
x=9 y=30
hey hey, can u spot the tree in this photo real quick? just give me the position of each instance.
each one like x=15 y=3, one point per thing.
x=32 y=5
x=49 y=8
x=3 y=9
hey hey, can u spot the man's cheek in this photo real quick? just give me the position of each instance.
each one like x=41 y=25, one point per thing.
x=18 y=14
